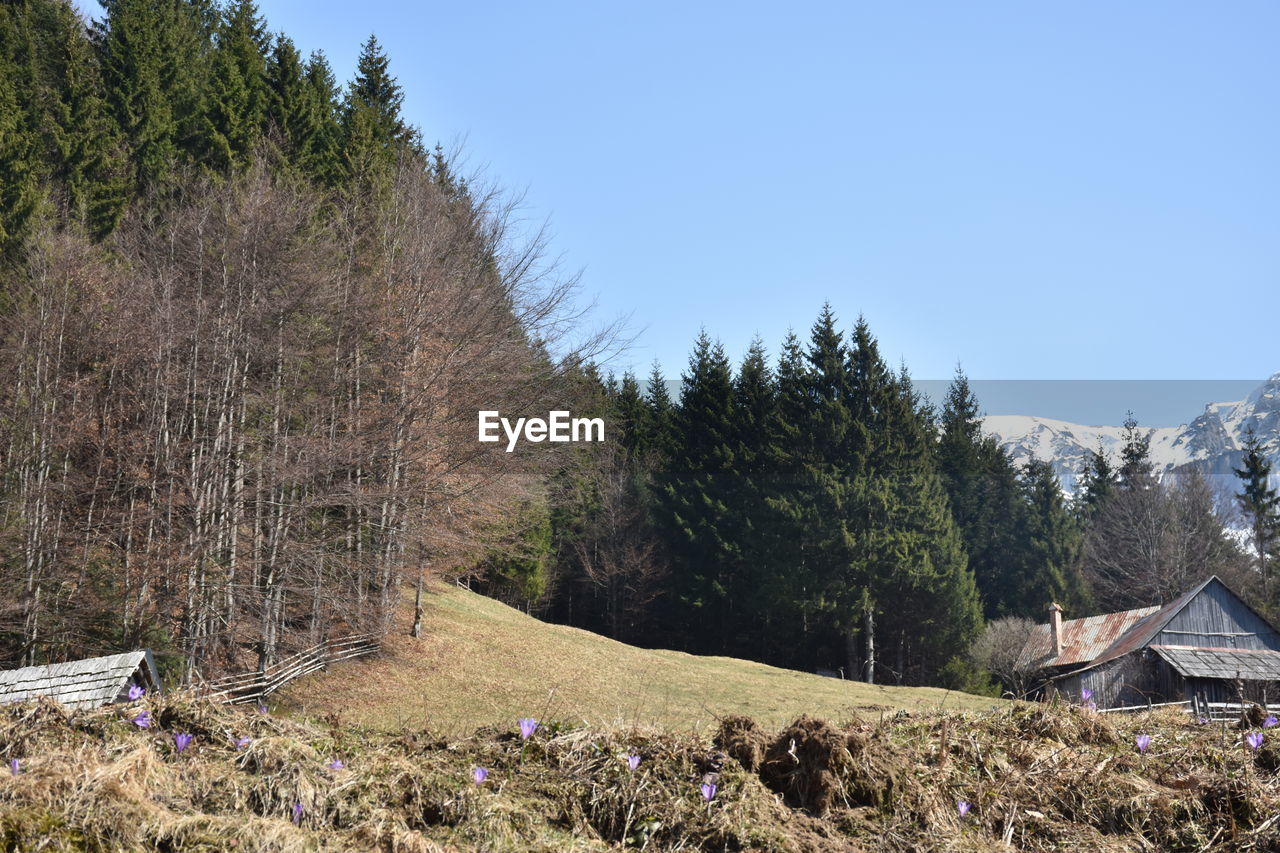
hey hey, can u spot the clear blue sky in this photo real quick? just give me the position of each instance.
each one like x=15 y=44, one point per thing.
x=1080 y=190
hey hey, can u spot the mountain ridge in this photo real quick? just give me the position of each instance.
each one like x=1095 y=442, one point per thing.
x=1210 y=443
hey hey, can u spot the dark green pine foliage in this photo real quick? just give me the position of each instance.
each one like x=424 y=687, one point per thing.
x=1260 y=505
x=154 y=54
x=238 y=96
x=325 y=157
x=754 y=402
x=372 y=127
x=80 y=148
x=789 y=580
x=910 y=551
x=822 y=506
x=1097 y=485
x=692 y=497
x=1053 y=540
x=19 y=163
x=301 y=113
x=154 y=59
x=657 y=426
x=1135 y=457
x=987 y=504
x=628 y=414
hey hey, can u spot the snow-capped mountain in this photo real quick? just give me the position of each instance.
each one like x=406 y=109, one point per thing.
x=1210 y=443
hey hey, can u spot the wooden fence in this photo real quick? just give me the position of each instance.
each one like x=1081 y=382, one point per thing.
x=1199 y=707
x=256 y=686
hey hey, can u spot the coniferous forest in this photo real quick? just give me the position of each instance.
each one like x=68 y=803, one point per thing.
x=247 y=320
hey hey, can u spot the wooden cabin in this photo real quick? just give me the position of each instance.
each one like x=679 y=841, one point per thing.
x=88 y=683
x=1206 y=644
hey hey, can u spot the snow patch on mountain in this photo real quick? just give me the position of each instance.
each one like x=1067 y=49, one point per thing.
x=1210 y=443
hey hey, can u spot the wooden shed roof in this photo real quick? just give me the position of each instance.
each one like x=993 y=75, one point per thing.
x=1083 y=640
x=87 y=683
x=1247 y=664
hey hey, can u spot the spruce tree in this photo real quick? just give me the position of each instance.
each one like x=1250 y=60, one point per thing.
x=628 y=413
x=78 y=147
x=789 y=583
x=1054 y=537
x=19 y=166
x=986 y=502
x=754 y=403
x=1260 y=505
x=910 y=552
x=325 y=147
x=154 y=54
x=238 y=94
x=657 y=425
x=1135 y=457
x=692 y=496
x=373 y=129
x=1096 y=486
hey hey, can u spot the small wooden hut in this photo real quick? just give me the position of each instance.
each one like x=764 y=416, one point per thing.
x=88 y=683
x=1207 y=644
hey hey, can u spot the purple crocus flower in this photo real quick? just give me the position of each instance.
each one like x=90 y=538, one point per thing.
x=241 y=742
x=1269 y=722
x=142 y=720
x=297 y=813
x=963 y=807
x=1085 y=695
x=136 y=692
x=337 y=764
x=527 y=727
x=1142 y=741
x=633 y=761
x=1254 y=739
x=14 y=767
x=262 y=707
x=708 y=791
x=181 y=740
x=479 y=774
x=1203 y=721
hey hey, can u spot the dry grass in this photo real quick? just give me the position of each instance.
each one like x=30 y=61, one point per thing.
x=1039 y=778
x=480 y=662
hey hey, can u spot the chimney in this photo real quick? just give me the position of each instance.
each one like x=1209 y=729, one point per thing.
x=1055 y=627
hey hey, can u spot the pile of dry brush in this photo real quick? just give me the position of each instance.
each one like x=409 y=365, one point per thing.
x=1038 y=778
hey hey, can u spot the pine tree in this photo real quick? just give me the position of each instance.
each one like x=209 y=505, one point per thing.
x=238 y=94
x=754 y=403
x=1054 y=537
x=325 y=148
x=910 y=550
x=657 y=425
x=153 y=55
x=80 y=150
x=1135 y=457
x=628 y=413
x=19 y=166
x=1259 y=502
x=692 y=495
x=1097 y=484
x=986 y=502
x=373 y=129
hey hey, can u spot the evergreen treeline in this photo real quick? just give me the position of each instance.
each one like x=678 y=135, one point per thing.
x=810 y=511
x=246 y=323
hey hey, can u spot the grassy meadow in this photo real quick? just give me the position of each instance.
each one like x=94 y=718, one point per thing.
x=481 y=663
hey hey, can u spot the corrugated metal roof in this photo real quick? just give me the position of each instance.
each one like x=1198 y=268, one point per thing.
x=1252 y=665
x=86 y=683
x=1146 y=630
x=1083 y=640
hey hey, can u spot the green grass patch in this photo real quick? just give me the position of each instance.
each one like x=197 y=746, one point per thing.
x=481 y=663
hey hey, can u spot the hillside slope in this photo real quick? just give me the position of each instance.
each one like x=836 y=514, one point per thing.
x=480 y=663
